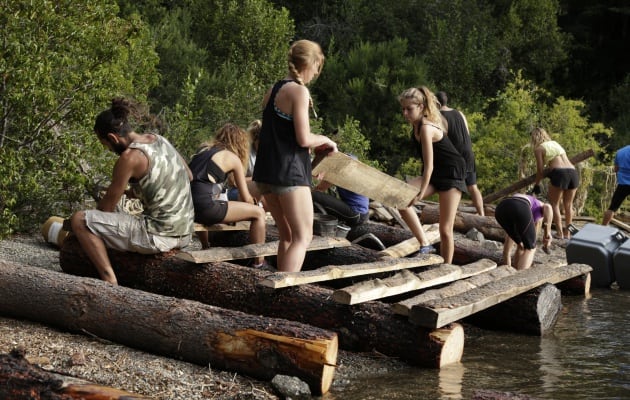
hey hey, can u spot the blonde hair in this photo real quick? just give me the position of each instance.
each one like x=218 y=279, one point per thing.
x=233 y=138
x=538 y=136
x=303 y=54
x=423 y=95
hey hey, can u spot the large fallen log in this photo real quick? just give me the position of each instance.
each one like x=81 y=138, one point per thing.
x=19 y=379
x=534 y=312
x=532 y=178
x=434 y=314
x=407 y=281
x=202 y=334
x=285 y=279
x=465 y=221
x=365 y=327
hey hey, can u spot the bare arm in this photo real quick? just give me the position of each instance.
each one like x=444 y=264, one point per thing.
x=539 y=152
x=132 y=163
x=300 y=111
x=426 y=139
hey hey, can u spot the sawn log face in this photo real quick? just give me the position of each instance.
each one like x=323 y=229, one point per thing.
x=365 y=327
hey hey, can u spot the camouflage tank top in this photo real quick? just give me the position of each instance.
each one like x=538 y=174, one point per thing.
x=165 y=190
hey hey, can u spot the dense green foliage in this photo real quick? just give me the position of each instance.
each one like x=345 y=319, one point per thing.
x=200 y=63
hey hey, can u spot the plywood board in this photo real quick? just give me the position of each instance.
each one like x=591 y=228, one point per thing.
x=348 y=173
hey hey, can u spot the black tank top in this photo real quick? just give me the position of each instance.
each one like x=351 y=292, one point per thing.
x=201 y=166
x=458 y=135
x=280 y=160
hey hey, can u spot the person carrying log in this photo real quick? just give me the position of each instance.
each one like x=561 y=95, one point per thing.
x=443 y=167
x=211 y=167
x=563 y=177
x=156 y=174
x=520 y=216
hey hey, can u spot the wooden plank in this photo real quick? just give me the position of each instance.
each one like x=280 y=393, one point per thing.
x=620 y=224
x=330 y=272
x=396 y=214
x=216 y=254
x=407 y=281
x=348 y=173
x=404 y=306
x=532 y=178
x=411 y=245
x=441 y=312
x=236 y=226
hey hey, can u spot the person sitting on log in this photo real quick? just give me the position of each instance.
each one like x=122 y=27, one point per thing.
x=211 y=167
x=520 y=216
x=156 y=174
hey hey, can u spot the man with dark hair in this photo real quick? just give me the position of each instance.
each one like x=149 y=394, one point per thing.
x=457 y=131
x=622 y=168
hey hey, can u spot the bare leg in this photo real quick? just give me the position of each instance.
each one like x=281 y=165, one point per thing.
x=507 y=251
x=411 y=219
x=608 y=216
x=523 y=258
x=567 y=201
x=449 y=201
x=284 y=230
x=239 y=211
x=94 y=247
x=203 y=238
x=477 y=199
x=554 y=200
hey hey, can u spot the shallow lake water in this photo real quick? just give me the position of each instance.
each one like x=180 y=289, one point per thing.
x=586 y=356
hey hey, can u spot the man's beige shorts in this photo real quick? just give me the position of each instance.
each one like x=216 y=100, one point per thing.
x=126 y=232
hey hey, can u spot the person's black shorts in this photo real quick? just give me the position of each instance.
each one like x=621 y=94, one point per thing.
x=471 y=178
x=620 y=194
x=564 y=178
x=515 y=217
x=210 y=212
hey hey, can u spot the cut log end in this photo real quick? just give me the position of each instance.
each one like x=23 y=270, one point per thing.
x=452 y=339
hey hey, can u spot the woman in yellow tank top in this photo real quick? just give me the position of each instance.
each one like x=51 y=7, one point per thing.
x=563 y=177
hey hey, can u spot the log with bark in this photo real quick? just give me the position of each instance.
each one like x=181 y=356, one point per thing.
x=20 y=379
x=365 y=327
x=260 y=347
x=465 y=222
x=534 y=312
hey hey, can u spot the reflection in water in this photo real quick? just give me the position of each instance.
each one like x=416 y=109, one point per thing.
x=585 y=357
x=451 y=379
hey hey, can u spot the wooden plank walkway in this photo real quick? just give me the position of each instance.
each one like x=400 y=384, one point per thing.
x=330 y=272
x=437 y=313
x=406 y=281
x=216 y=254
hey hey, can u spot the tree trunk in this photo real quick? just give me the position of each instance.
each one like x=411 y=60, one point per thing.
x=365 y=327
x=21 y=380
x=535 y=312
x=231 y=340
x=465 y=222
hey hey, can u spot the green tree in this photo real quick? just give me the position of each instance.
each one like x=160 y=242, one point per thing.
x=60 y=63
x=365 y=84
x=501 y=138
